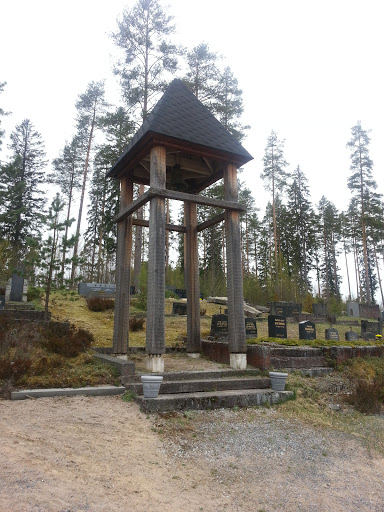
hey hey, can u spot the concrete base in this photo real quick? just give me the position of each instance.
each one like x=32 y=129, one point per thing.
x=87 y=391
x=238 y=361
x=194 y=355
x=155 y=363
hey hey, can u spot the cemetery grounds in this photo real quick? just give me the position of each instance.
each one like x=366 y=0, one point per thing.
x=102 y=454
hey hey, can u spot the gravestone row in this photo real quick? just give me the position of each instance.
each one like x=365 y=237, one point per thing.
x=99 y=290
x=277 y=328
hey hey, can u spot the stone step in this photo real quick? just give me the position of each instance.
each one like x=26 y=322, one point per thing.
x=206 y=385
x=205 y=375
x=213 y=400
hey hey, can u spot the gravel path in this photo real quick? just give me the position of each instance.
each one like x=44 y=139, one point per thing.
x=100 y=454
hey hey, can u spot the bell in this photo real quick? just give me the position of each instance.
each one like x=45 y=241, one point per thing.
x=177 y=181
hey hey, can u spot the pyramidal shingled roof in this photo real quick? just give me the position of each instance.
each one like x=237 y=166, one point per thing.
x=180 y=115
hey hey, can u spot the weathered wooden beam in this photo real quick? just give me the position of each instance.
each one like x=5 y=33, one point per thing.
x=123 y=257
x=193 y=198
x=236 y=327
x=210 y=222
x=155 y=325
x=178 y=196
x=169 y=227
x=192 y=279
x=134 y=206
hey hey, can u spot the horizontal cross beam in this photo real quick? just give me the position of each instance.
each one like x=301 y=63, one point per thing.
x=178 y=196
x=169 y=227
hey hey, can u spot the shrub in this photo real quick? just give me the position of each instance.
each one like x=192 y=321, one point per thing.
x=203 y=311
x=136 y=324
x=34 y=294
x=366 y=377
x=169 y=294
x=66 y=339
x=140 y=301
x=100 y=304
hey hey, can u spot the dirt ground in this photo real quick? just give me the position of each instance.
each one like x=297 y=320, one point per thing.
x=102 y=454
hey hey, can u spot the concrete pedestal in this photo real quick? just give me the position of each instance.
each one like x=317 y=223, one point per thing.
x=238 y=361
x=193 y=355
x=155 y=363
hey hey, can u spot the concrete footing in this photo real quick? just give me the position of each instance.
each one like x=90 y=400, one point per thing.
x=238 y=361
x=194 y=355
x=155 y=363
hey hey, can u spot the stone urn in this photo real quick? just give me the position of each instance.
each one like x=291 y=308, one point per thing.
x=278 y=380
x=151 y=385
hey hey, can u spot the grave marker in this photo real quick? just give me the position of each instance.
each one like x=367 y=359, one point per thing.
x=332 y=334
x=219 y=326
x=250 y=327
x=179 y=308
x=351 y=336
x=285 y=308
x=277 y=326
x=307 y=330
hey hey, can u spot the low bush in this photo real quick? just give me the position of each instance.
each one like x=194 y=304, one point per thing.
x=366 y=378
x=66 y=339
x=136 y=324
x=100 y=304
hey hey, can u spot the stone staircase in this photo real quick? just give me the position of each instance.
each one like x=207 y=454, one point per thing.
x=208 y=390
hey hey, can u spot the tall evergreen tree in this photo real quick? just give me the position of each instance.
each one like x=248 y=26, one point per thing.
x=90 y=106
x=67 y=170
x=22 y=180
x=143 y=35
x=275 y=177
x=360 y=182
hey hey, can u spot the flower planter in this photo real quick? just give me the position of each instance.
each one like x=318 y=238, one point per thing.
x=278 y=380
x=151 y=385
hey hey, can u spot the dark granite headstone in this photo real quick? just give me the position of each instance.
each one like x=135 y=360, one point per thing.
x=369 y=336
x=179 y=308
x=132 y=290
x=17 y=287
x=181 y=293
x=307 y=330
x=250 y=327
x=319 y=309
x=372 y=327
x=332 y=334
x=219 y=325
x=351 y=336
x=277 y=326
x=285 y=308
x=2 y=302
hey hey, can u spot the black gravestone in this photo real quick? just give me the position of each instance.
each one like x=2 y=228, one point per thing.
x=250 y=327
x=181 y=293
x=351 y=336
x=277 y=326
x=285 y=308
x=2 y=302
x=369 y=336
x=219 y=325
x=372 y=327
x=179 y=308
x=17 y=287
x=307 y=330
x=332 y=334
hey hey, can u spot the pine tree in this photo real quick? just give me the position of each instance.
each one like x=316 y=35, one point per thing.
x=360 y=182
x=143 y=35
x=21 y=186
x=275 y=179
x=90 y=106
x=67 y=169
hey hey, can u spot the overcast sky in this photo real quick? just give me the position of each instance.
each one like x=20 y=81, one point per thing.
x=309 y=70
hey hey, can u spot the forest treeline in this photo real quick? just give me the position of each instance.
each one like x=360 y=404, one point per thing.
x=291 y=251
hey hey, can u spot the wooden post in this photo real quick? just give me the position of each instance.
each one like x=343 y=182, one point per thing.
x=191 y=268
x=123 y=272
x=236 y=325
x=155 y=335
